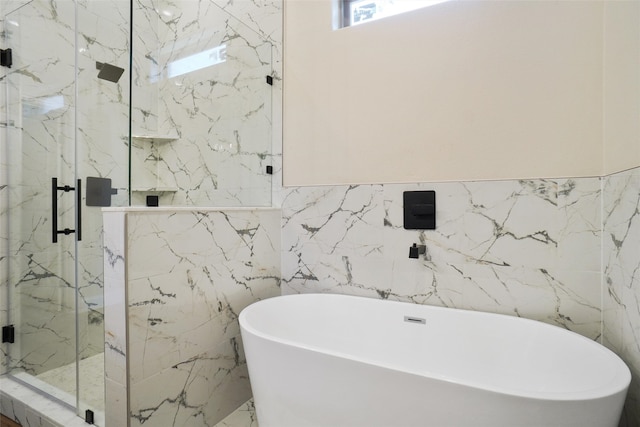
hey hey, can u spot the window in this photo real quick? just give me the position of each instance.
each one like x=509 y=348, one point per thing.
x=356 y=12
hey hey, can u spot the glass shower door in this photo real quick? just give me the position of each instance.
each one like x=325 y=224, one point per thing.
x=102 y=154
x=72 y=139
x=41 y=102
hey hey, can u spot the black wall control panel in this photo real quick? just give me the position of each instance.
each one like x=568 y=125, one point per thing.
x=419 y=210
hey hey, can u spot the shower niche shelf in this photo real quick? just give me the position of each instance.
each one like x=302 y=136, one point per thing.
x=154 y=138
x=155 y=190
x=148 y=170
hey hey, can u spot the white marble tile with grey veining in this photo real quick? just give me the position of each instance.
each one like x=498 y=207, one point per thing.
x=220 y=111
x=115 y=319
x=25 y=406
x=244 y=416
x=621 y=277
x=495 y=248
x=189 y=276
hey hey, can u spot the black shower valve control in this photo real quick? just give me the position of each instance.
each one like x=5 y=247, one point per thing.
x=416 y=250
x=419 y=210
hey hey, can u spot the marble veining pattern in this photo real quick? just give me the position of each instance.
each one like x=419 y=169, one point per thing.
x=252 y=30
x=29 y=408
x=189 y=274
x=244 y=416
x=621 y=278
x=505 y=246
x=220 y=115
x=115 y=319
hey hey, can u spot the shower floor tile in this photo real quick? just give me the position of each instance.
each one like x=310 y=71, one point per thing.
x=91 y=376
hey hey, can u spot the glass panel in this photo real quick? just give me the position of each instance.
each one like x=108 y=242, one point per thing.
x=201 y=107
x=102 y=152
x=70 y=120
x=41 y=103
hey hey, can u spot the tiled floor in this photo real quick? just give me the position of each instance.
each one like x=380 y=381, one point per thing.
x=91 y=380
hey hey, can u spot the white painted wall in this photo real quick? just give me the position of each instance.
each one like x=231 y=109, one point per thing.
x=472 y=89
x=621 y=86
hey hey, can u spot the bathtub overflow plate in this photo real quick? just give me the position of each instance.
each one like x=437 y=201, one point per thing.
x=412 y=319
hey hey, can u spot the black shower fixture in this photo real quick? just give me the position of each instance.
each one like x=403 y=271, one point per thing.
x=109 y=72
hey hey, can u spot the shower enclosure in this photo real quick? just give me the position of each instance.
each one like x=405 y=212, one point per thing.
x=67 y=135
x=177 y=112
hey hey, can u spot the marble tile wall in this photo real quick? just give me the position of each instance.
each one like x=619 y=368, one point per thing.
x=221 y=115
x=621 y=278
x=189 y=273
x=9 y=6
x=115 y=320
x=525 y=248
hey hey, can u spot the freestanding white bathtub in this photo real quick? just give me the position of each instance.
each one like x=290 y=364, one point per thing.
x=344 y=361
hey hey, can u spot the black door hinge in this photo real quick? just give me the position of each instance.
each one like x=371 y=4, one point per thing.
x=6 y=58
x=88 y=416
x=270 y=80
x=8 y=334
x=270 y=170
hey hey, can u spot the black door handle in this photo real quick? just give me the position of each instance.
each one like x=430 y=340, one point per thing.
x=54 y=210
